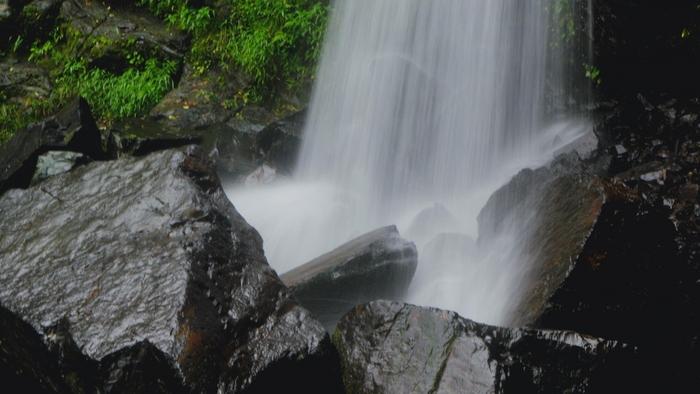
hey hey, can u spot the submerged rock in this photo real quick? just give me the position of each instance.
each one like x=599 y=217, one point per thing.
x=377 y=265
x=149 y=249
x=73 y=129
x=388 y=347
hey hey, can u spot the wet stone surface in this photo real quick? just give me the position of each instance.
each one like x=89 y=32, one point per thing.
x=377 y=265
x=395 y=348
x=150 y=249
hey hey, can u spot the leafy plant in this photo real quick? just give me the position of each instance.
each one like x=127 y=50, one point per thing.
x=593 y=73
x=119 y=96
x=17 y=44
x=191 y=20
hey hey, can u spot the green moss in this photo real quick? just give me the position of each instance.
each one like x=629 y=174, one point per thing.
x=68 y=54
x=275 y=42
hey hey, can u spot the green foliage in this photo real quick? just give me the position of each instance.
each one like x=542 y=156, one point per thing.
x=17 y=44
x=563 y=21
x=114 y=97
x=593 y=74
x=67 y=53
x=275 y=42
x=192 y=20
x=11 y=119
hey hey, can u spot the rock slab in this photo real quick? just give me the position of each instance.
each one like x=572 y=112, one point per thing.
x=377 y=265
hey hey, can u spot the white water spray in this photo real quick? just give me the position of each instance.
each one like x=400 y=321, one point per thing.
x=421 y=110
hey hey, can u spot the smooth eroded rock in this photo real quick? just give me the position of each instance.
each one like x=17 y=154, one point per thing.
x=149 y=249
x=377 y=265
x=388 y=347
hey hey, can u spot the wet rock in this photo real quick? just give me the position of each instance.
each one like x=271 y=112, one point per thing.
x=141 y=368
x=73 y=129
x=377 y=265
x=430 y=220
x=264 y=175
x=609 y=249
x=79 y=371
x=586 y=146
x=22 y=81
x=620 y=149
x=121 y=29
x=278 y=144
x=25 y=362
x=198 y=102
x=399 y=348
x=552 y=211
x=150 y=249
x=56 y=162
x=139 y=137
x=205 y=106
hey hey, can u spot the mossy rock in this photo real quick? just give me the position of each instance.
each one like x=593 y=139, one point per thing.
x=116 y=33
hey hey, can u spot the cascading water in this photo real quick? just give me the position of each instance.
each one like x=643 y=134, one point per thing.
x=421 y=110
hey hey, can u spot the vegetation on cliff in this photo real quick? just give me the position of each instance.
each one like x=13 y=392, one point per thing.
x=274 y=43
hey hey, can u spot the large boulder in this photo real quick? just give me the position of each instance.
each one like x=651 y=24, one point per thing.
x=149 y=249
x=388 y=347
x=377 y=265
x=72 y=129
x=610 y=256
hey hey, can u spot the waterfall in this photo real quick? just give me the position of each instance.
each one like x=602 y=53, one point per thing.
x=422 y=109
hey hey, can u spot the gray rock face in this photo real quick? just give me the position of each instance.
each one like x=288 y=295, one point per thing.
x=22 y=80
x=151 y=250
x=72 y=129
x=388 y=347
x=377 y=265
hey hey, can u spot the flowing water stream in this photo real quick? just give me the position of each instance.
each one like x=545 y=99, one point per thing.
x=421 y=110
